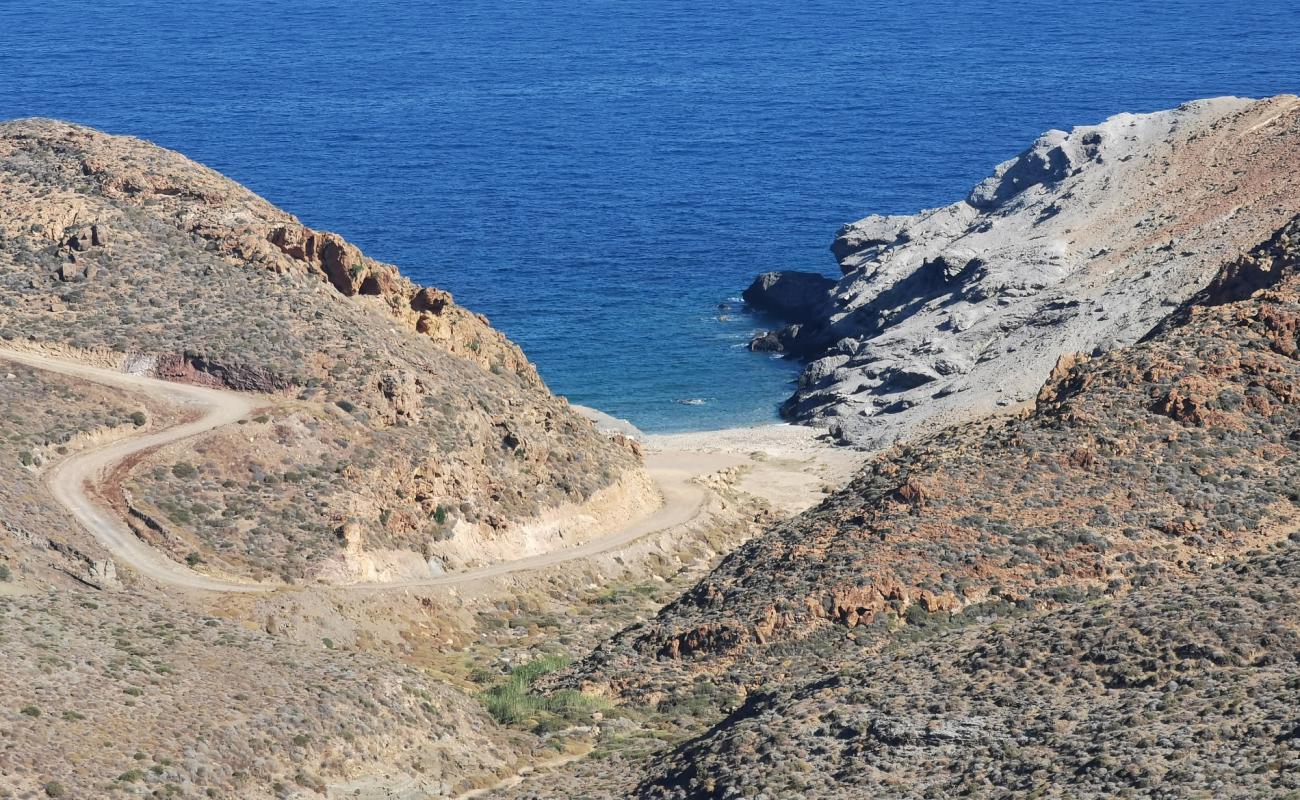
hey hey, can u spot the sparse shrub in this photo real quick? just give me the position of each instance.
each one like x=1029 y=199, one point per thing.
x=183 y=470
x=54 y=789
x=5 y=574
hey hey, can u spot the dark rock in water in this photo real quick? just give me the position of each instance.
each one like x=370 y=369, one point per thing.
x=792 y=296
x=794 y=340
x=766 y=342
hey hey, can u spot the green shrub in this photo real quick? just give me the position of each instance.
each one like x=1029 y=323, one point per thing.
x=5 y=574
x=184 y=470
x=54 y=789
x=513 y=702
x=31 y=711
x=138 y=419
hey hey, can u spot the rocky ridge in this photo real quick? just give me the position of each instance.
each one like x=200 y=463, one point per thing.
x=1177 y=690
x=1081 y=243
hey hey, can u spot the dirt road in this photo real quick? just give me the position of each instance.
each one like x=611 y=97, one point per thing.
x=71 y=480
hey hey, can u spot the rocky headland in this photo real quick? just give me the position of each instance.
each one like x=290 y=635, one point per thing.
x=1081 y=243
x=1086 y=595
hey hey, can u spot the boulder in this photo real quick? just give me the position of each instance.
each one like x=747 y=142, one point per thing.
x=72 y=271
x=791 y=296
x=766 y=342
x=102 y=575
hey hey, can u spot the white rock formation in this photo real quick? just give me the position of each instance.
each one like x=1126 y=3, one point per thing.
x=1081 y=243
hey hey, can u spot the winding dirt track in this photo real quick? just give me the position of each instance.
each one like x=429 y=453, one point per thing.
x=70 y=482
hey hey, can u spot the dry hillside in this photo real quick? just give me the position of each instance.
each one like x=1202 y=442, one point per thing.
x=112 y=690
x=403 y=426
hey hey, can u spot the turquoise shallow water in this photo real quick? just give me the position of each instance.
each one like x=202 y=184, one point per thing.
x=597 y=177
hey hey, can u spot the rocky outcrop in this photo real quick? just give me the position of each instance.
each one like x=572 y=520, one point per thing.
x=1006 y=710
x=1081 y=243
x=790 y=296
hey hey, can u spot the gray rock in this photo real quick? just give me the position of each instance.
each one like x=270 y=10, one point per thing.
x=790 y=296
x=103 y=575
x=951 y=313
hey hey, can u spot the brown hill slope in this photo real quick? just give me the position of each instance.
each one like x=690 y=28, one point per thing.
x=125 y=693
x=1176 y=690
x=394 y=408
x=1149 y=462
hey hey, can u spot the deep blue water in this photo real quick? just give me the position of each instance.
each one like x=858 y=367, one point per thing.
x=597 y=175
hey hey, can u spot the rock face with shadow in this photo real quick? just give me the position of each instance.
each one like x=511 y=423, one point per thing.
x=1079 y=244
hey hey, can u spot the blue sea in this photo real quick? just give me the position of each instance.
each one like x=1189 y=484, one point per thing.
x=602 y=178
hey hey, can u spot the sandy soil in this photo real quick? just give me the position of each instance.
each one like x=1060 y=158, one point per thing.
x=790 y=466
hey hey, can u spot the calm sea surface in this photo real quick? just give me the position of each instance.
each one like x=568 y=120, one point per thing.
x=599 y=176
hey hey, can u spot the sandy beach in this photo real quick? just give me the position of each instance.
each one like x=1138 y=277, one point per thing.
x=789 y=466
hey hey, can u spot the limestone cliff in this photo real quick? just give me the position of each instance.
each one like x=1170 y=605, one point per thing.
x=1081 y=243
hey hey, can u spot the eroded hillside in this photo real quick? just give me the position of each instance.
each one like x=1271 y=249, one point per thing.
x=407 y=435
x=1176 y=690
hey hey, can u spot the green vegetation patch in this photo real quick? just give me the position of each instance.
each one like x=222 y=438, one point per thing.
x=514 y=702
